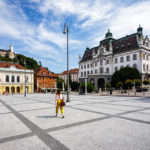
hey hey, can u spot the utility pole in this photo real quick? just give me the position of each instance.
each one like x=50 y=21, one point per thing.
x=66 y=31
x=25 y=80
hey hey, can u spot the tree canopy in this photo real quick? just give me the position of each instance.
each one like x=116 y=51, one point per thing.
x=30 y=62
x=124 y=74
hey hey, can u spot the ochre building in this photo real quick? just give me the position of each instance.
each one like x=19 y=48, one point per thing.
x=12 y=78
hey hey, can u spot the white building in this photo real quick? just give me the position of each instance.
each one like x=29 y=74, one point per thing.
x=99 y=63
x=74 y=73
x=9 y=53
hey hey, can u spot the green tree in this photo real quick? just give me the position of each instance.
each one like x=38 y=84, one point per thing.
x=138 y=82
x=74 y=86
x=82 y=87
x=146 y=82
x=70 y=80
x=30 y=62
x=123 y=74
x=129 y=83
x=108 y=85
x=90 y=87
x=5 y=59
x=119 y=85
x=59 y=83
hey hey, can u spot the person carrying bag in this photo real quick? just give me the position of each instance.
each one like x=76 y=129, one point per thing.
x=59 y=103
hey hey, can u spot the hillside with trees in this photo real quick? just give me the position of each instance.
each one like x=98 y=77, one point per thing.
x=31 y=63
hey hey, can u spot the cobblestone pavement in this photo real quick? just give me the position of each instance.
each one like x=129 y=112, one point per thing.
x=91 y=123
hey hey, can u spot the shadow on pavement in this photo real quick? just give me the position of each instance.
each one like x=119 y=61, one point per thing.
x=145 y=100
x=46 y=117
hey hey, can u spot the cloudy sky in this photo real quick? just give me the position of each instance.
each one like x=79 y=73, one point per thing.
x=36 y=26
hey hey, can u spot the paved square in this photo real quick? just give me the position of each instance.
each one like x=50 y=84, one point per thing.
x=91 y=122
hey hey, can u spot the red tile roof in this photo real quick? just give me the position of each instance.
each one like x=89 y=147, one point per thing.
x=72 y=71
x=8 y=64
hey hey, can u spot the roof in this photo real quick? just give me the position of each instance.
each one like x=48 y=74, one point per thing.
x=71 y=71
x=8 y=64
x=125 y=44
x=2 y=50
x=120 y=45
x=88 y=54
x=41 y=71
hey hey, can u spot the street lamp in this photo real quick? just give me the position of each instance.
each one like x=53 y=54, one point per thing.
x=66 y=30
x=25 y=79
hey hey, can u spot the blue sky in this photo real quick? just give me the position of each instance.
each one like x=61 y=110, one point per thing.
x=36 y=26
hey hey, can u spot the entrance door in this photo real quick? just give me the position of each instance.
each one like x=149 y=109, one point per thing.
x=12 y=89
x=18 y=89
x=7 y=89
x=101 y=83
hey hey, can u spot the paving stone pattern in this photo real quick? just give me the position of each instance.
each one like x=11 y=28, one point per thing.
x=91 y=123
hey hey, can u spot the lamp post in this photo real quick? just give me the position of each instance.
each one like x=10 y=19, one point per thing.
x=25 y=80
x=66 y=30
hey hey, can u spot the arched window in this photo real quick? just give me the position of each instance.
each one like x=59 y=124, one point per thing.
x=12 y=78
x=144 y=56
x=116 y=68
x=101 y=62
x=18 y=78
x=128 y=58
x=95 y=63
x=134 y=65
x=7 y=78
x=91 y=71
x=143 y=67
x=116 y=60
x=107 y=70
x=101 y=70
x=96 y=71
x=135 y=57
x=121 y=59
x=147 y=68
x=107 y=62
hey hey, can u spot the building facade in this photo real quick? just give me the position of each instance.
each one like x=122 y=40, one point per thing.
x=44 y=80
x=99 y=63
x=9 y=53
x=74 y=73
x=12 y=78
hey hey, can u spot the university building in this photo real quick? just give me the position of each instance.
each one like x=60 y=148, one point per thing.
x=44 y=80
x=12 y=78
x=99 y=63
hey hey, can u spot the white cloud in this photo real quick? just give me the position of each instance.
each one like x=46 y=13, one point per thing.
x=91 y=11
x=126 y=20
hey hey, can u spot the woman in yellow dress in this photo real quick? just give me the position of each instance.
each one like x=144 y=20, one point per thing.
x=59 y=98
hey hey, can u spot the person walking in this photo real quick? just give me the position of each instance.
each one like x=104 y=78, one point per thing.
x=59 y=98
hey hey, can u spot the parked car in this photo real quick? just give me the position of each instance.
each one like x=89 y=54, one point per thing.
x=141 y=89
